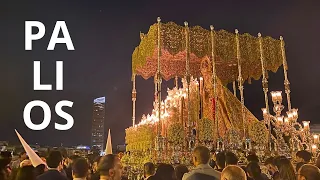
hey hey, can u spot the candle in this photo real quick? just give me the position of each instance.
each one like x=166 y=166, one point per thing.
x=165 y=105
x=201 y=96
x=162 y=128
x=198 y=98
x=314 y=148
x=280 y=119
x=306 y=124
x=316 y=139
x=286 y=120
x=294 y=114
x=264 y=110
x=201 y=85
x=276 y=96
x=181 y=109
x=290 y=115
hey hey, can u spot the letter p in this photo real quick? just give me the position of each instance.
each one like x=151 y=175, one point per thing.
x=29 y=37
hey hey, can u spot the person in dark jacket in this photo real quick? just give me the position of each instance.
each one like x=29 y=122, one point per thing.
x=80 y=169
x=180 y=170
x=254 y=171
x=26 y=173
x=55 y=165
x=164 y=172
x=68 y=168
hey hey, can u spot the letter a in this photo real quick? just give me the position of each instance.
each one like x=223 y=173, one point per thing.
x=66 y=36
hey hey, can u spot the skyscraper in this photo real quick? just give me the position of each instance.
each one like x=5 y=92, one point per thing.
x=97 y=135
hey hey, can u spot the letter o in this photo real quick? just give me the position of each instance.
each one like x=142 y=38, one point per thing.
x=27 y=115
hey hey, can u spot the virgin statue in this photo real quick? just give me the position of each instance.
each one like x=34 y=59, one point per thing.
x=226 y=109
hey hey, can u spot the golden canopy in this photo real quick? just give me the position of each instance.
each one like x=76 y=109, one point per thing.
x=173 y=53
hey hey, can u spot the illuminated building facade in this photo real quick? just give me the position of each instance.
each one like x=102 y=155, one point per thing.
x=97 y=132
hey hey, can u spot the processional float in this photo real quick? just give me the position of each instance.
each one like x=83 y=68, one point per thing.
x=204 y=111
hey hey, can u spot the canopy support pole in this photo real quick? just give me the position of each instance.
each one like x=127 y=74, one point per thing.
x=214 y=81
x=265 y=88
x=240 y=84
x=188 y=83
x=134 y=98
x=285 y=69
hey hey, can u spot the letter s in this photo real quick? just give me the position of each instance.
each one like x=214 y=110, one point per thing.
x=64 y=115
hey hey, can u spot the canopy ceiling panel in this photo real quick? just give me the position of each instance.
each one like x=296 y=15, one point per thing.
x=173 y=53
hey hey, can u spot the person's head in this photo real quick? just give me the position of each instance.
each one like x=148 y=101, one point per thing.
x=44 y=159
x=80 y=168
x=71 y=159
x=252 y=158
x=220 y=160
x=253 y=170
x=26 y=172
x=165 y=172
x=74 y=157
x=308 y=172
x=233 y=172
x=40 y=169
x=201 y=155
x=318 y=162
x=270 y=164
x=110 y=167
x=149 y=169
x=5 y=159
x=25 y=162
x=303 y=156
x=285 y=167
x=180 y=170
x=298 y=166
x=54 y=160
x=231 y=159
x=22 y=156
x=95 y=164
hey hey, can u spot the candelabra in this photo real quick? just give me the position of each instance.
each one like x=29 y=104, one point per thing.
x=289 y=135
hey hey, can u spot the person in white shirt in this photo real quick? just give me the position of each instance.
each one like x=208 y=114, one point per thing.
x=203 y=171
x=80 y=169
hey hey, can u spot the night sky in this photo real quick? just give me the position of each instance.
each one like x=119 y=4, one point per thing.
x=104 y=35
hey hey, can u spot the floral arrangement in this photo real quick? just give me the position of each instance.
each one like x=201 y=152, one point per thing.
x=205 y=128
x=140 y=138
x=125 y=159
x=233 y=138
x=258 y=132
x=176 y=133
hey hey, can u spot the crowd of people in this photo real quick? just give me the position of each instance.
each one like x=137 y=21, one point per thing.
x=207 y=166
x=225 y=166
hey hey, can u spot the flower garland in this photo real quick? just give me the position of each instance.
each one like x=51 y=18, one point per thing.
x=205 y=127
x=258 y=132
x=140 y=138
x=176 y=133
